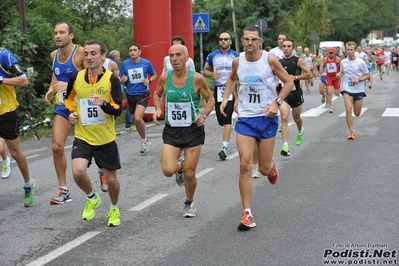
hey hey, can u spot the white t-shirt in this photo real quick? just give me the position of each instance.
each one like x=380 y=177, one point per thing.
x=361 y=55
x=168 y=66
x=277 y=52
x=353 y=69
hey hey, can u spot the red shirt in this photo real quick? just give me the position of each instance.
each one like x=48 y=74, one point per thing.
x=380 y=58
x=331 y=66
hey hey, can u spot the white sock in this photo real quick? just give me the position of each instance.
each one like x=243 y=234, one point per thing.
x=249 y=211
x=225 y=144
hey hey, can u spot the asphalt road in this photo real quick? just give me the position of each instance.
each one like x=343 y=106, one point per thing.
x=336 y=199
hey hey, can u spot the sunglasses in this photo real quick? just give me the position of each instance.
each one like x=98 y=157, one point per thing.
x=224 y=39
x=250 y=39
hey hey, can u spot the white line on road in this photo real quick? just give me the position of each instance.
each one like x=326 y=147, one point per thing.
x=203 y=172
x=63 y=249
x=148 y=202
x=344 y=113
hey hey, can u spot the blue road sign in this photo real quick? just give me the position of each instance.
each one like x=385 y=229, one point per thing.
x=201 y=22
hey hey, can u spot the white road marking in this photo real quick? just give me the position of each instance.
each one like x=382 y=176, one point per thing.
x=363 y=110
x=203 y=172
x=314 y=112
x=63 y=249
x=148 y=202
x=391 y=112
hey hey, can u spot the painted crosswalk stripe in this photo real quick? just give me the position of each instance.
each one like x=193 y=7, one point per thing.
x=363 y=110
x=391 y=112
x=314 y=112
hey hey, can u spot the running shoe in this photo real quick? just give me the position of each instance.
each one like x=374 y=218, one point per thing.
x=132 y=127
x=247 y=221
x=223 y=153
x=118 y=133
x=29 y=197
x=307 y=91
x=255 y=171
x=180 y=174
x=273 y=175
x=103 y=181
x=351 y=135
x=311 y=84
x=6 y=168
x=323 y=98
x=285 y=151
x=299 y=136
x=145 y=146
x=90 y=209
x=380 y=77
x=113 y=217
x=189 y=210
x=61 y=197
x=330 y=110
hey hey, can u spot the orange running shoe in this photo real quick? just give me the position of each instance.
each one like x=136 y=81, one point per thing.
x=351 y=135
x=247 y=221
x=103 y=181
x=273 y=175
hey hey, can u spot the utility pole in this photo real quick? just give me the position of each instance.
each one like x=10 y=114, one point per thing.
x=237 y=43
x=24 y=42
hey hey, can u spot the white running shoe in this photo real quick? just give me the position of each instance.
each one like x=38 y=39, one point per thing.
x=145 y=146
x=6 y=168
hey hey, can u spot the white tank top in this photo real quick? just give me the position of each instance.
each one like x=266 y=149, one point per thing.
x=106 y=63
x=257 y=86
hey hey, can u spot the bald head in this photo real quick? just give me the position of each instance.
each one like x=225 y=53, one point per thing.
x=178 y=56
x=179 y=47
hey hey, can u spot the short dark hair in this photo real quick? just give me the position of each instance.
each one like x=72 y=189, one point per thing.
x=252 y=28
x=290 y=40
x=178 y=38
x=135 y=44
x=70 y=28
x=283 y=33
x=103 y=48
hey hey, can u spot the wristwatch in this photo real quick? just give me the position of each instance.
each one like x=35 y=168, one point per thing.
x=279 y=101
x=204 y=115
x=296 y=77
x=1 y=79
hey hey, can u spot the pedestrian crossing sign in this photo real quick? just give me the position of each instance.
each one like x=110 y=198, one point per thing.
x=201 y=22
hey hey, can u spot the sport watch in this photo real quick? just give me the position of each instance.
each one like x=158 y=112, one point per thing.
x=1 y=79
x=279 y=101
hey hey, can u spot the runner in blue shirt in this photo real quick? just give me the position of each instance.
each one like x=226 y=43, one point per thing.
x=138 y=73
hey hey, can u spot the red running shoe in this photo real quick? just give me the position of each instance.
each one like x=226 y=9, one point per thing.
x=247 y=221
x=351 y=135
x=273 y=175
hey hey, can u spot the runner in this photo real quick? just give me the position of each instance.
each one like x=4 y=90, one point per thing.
x=184 y=124
x=355 y=73
x=257 y=113
x=294 y=67
x=218 y=66
x=331 y=66
x=93 y=99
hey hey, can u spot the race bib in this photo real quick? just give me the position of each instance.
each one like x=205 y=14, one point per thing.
x=220 y=94
x=331 y=68
x=254 y=97
x=91 y=114
x=350 y=83
x=136 y=75
x=61 y=96
x=179 y=114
